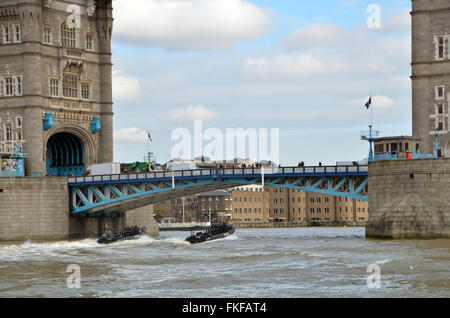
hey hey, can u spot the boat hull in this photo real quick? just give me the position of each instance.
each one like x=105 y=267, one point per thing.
x=108 y=239
x=207 y=237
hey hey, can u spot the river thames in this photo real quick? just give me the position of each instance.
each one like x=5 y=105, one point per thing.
x=275 y=263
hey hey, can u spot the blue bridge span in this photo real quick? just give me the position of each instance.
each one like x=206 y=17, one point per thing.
x=120 y=193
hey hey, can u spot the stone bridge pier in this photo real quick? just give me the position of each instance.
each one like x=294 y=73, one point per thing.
x=409 y=199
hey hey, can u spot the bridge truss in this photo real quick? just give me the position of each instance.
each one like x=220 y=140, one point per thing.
x=119 y=193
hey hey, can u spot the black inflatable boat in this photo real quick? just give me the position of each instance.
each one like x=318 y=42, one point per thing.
x=216 y=231
x=129 y=233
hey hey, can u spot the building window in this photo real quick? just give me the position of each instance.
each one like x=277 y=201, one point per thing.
x=440 y=110
x=18 y=122
x=439 y=43
x=68 y=36
x=85 y=90
x=17 y=37
x=8 y=133
x=54 y=87
x=18 y=84
x=440 y=126
x=441 y=47
x=440 y=92
x=89 y=42
x=6 y=34
x=47 y=37
x=70 y=85
x=9 y=86
x=18 y=135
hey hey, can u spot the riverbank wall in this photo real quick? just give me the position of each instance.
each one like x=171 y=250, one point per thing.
x=38 y=209
x=409 y=199
x=262 y=225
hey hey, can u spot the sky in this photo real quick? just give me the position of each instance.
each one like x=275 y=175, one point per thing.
x=305 y=68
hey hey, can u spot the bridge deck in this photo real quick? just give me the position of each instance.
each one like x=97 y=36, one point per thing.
x=112 y=193
x=325 y=171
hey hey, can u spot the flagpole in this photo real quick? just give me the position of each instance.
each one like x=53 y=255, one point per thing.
x=371 y=112
x=148 y=146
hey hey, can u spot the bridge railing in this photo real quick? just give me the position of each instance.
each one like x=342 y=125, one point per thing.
x=232 y=172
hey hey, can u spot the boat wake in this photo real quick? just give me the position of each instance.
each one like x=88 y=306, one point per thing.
x=37 y=250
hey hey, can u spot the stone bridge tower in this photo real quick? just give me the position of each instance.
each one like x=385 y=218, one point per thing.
x=431 y=73
x=56 y=83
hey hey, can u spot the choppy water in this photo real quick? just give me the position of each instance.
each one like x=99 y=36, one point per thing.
x=305 y=262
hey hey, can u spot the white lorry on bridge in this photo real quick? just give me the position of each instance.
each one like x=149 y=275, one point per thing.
x=104 y=169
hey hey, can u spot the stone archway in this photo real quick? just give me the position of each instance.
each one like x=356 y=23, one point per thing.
x=69 y=151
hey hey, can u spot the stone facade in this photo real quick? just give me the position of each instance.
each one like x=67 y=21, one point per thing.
x=37 y=209
x=409 y=199
x=431 y=73
x=53 y=60
x=34 y=209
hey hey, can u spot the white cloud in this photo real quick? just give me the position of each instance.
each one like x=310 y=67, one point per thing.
x=131 y=134
x=291 y=66
x=125 y=87
x=317 y=35
x=378 y=101
x=399 y=22
x=192 y=112
x=189 y=24
x=318 y=54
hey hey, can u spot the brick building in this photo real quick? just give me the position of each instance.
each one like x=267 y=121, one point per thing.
x=252 y=204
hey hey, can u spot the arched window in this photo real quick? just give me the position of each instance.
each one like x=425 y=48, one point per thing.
x=68 y=36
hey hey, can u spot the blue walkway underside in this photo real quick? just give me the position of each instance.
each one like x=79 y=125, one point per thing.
x=120 y=193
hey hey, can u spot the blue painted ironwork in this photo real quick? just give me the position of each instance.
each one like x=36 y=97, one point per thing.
x=370 y=136
x=418 y=155
x=48 y=121
x=436 y=144
x=93 y=193
x=385 y=156
x=66 y=155
x=96 y=125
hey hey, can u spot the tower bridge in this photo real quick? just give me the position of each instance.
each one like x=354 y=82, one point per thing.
x=56 y=118
x=117 y=193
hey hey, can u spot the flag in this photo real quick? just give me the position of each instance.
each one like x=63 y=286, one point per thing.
x=369 y=103
x=150 y=137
